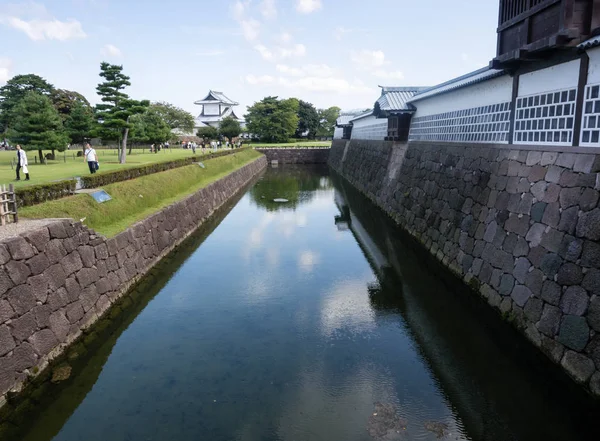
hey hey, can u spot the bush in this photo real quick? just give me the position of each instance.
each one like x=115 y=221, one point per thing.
x=99 y=179
x=79 y=153
x=50 y=157
x=36 y=194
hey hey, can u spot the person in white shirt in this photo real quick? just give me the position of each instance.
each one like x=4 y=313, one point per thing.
x=91 y=157
x=22 y=163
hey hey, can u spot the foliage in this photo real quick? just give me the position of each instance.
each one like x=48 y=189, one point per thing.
x=116 y=108
x=158 y=191
x=36 y=124
x=101 y=179
x=65 y=101
x=273 y=120
x=14 y=90
x=327 y=120
x=230 y=128
x=308 y=120
x=175 y=117
x=79 y=123
x=149 y=127
x=207 y=133
x=37 y=194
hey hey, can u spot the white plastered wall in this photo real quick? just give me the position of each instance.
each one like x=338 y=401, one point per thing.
x=369 y=128
x=558 y=77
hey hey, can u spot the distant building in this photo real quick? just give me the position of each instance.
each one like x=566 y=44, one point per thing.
x=215 y=107
x=343 y=126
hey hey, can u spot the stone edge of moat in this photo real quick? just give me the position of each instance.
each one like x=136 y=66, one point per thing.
x=58 y=280
x=304 y=155
x=513 y=224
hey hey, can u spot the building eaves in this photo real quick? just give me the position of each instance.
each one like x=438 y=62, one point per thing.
x=469 y=79
x=395 y=99
x=588 y=44
x=214 y=97
x=362 y=115
x=346 y=116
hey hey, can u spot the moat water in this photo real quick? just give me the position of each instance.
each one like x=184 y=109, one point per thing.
x=311 y=318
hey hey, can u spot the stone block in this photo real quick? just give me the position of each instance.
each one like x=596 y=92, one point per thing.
x=549 y=324
x=590 y=256
x=550 y=264
x=591 y=281
x=574 y=301
x=4 y=254
x=38 y=238
x=59 y=325
x=578 y=366
x=42 y=315
x=6 y=311
x=102 y=305
x=56 y=276
x=19 y=248
x=88 y=257
x=38 y=264
x=533 y=158
x=5 y=282
x=534 y=234
x=534 y=281
x=101 y=267
x=521 y=269
x=87 y=276
x=89 y=297
x=23 y=357
x=552 y=240
x=43 y=342
x=566 y=160
x=583 y=163
x=574 y=332
x=7 y=342
x=58 y=299
x=588 y=225
x=490 y=232
x=74 y=312
x=533 y=309
x=23 y=327
x=112 y=264
x=569 y=274
x=595 y=384
x=520 y=295
x=57 y=230
x=71 y=263
x=568 y=220
x=552 y=193
x=570 y=197
x=570 y=248
x=55 y=251
x=112 y=246
x=548 y=158
x=536 y=173
x=17 y=271
x=593 y=316
x=517 y=224
x=553 y=349
x=537 y=211
x=21 y=298
x=553 y=174
x=588 y=200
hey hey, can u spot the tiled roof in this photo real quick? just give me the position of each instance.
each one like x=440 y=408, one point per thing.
x=217 y=118
x=346 y=116
x=466 y=80
x=396 y=98
x=592 y=42
x=363 y=115
x=216 y=97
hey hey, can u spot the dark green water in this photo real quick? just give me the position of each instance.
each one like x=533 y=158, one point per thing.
x=292 y=321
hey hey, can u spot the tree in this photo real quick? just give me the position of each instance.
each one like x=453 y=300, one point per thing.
x=327 y=120
x=65 y=101
x=273 y=120
x=149 y=127
x=207 y=133
x=308 y=120
x=14 y=90
x=113 y=115
x=79 y=123
x=175 y=117
x=36 y=125
x=230 y=128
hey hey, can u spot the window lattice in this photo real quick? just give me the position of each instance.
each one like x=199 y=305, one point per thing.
x=374 y=130
x=546 y=119
x=590 y=126
x=479 y=124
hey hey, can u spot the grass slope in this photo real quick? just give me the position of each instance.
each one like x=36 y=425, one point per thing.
x=135 y=200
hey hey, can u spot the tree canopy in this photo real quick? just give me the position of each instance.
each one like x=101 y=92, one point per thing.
x=327 y=120
x=308 y=120
x=207 y=133
x=273 y=120
x=65 y=100
x=36 y=124
x=14 y=90
x=230 y=128
x=175 y=117
x=116 y=108
x=79 y=123
x=150 y=127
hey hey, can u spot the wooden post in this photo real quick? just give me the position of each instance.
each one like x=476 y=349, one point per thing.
x=11 y=187
x=2 y=205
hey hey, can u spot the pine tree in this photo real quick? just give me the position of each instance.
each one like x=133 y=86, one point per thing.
x=36 y=125
x=79 y=123
x=116 y=108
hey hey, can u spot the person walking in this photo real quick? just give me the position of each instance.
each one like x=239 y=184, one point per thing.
x=22 y=163
x=91 y=157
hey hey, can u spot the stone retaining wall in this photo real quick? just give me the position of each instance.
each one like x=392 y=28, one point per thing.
x=520 y=225
x=57 y=280
x=296 y=155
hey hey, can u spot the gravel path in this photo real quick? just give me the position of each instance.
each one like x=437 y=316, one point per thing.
x=12 y=230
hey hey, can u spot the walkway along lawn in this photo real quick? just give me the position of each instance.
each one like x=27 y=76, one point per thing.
x=59 y=169
x=136 y=199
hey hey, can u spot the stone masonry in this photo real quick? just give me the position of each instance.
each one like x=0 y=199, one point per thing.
x=296 y=155
x=57 y=280
x=520 y=226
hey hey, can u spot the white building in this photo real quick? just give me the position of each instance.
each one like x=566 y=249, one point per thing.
x=215 y=107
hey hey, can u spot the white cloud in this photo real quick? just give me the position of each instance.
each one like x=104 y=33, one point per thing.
x=250 y=26
x=388 y=75
x=285 y=37
x=368 y=59
x=297 y=50
x=292 y=71
x=239 y=9
x=340 y=31
x=110 y=50
x=39 y=30
x=268 y=9
x=316 y=70
x=264 y=52
x=308 y=6
x=260 y=80
x=280 y=53
x=5 y=68
x=210 y=53
x=330 y=85
x=250 y=29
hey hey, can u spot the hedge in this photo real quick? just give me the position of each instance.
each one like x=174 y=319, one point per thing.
x=36 y=194
x=99 y=179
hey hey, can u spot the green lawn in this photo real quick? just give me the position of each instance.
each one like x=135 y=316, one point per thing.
x=136 y=199
x=74 y=166
x=292 y=144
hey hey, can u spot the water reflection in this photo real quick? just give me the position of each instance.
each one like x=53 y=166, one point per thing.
x=300 y=322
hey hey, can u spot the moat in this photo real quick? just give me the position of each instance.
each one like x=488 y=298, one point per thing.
x=310 y=318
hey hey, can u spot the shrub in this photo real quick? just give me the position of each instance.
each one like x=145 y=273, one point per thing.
x=36 y=194
x=100 y=179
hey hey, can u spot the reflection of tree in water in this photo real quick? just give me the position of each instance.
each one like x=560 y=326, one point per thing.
x=386 y=294
x=296 y=184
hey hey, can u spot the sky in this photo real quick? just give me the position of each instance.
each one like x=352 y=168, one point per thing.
x=327 y=52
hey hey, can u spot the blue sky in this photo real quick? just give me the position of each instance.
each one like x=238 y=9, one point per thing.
x=328 y=52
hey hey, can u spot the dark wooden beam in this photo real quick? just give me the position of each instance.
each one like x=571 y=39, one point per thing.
x=513 y=108
x=532 y=11
x=583 y=74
